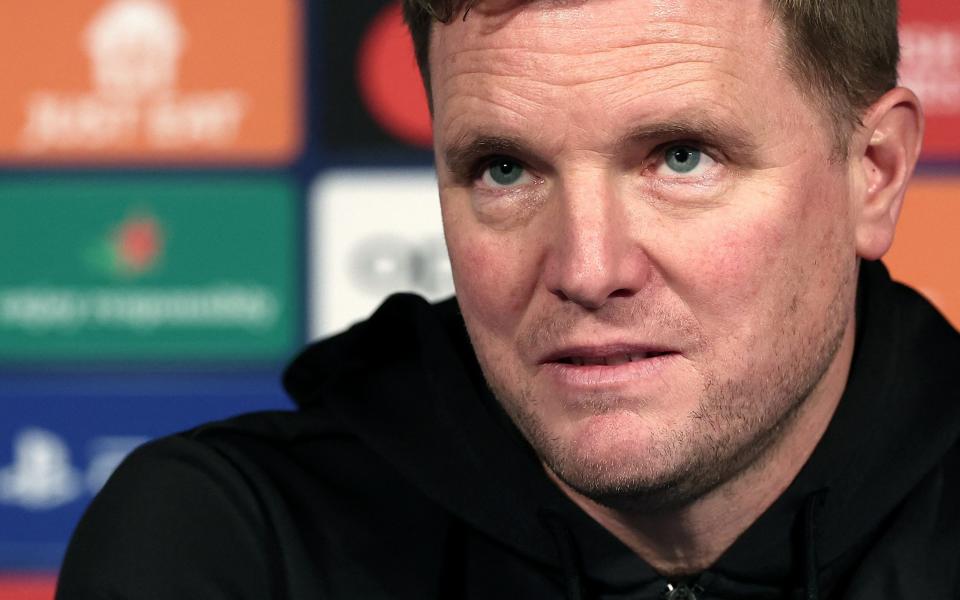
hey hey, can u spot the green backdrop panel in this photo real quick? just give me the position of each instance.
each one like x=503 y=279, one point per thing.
x=148 y=269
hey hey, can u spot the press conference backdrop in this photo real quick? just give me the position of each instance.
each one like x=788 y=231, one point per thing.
x=190 y=191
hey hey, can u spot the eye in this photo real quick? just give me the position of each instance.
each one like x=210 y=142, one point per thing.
x=504 y=172
x=683 y=159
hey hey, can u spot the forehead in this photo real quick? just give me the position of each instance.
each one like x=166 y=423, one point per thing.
x=600 y=24
x=515 y=62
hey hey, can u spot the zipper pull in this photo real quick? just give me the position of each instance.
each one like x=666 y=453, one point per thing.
x=681 y=591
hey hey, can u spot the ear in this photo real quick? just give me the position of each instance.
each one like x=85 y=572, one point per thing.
x=883 y=156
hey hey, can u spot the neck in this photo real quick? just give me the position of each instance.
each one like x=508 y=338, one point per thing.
x=689 y=539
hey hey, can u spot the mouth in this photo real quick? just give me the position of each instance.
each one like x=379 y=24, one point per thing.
x=604 y=356
x=610 y=360
x=614 y=367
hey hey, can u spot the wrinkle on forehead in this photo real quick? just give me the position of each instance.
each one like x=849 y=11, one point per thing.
x=546 y=44
x=575 y=27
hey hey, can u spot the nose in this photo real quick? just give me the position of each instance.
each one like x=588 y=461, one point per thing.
x=594 y=254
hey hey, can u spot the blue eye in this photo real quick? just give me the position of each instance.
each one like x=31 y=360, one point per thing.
x=504 y=172
x=682 y=159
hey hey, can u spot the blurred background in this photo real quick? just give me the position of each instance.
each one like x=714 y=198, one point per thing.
x=191 y=191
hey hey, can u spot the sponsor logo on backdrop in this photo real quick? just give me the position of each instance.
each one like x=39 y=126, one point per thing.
x=390 y=81
x=930 y=65
x=159 y=278
x=383 y=264
x=42 y=474
x=147 y=80
x=129 y=251
x=134 y=48
x=374 y=233
x=132 y=248
x=37 y=310
x=373 y=99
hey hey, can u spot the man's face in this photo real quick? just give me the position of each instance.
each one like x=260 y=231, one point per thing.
x=652 y=248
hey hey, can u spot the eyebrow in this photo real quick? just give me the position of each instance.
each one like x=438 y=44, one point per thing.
x=726 y=135
x=462 y=156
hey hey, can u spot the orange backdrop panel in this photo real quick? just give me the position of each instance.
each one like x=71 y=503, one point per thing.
x=926 y=250
x=251 y=54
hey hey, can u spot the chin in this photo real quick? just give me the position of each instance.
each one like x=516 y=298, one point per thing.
x=618 y=484
x=635 y=461
x=634 y=469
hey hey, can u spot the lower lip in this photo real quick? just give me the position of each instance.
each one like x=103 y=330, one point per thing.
x=608 y=376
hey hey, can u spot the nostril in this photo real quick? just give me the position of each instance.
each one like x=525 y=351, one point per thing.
x=590 y=299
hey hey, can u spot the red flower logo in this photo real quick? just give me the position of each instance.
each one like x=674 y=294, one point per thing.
x=139 y=243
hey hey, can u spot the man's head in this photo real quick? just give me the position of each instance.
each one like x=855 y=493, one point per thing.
x=655 y=245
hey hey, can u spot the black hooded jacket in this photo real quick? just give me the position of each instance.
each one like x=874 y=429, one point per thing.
x=399 y=477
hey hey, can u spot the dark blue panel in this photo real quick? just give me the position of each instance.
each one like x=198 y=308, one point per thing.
x=61 y=437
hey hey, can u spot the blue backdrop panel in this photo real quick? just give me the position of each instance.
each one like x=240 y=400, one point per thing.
x=60 y=438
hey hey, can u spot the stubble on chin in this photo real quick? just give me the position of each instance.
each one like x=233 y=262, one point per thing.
x=735 y=424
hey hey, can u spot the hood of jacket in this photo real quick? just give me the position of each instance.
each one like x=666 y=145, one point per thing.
x=407 y=384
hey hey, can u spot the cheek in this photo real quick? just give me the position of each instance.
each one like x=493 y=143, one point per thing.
x=493 y=279
x=742 y=273
x=727 y=264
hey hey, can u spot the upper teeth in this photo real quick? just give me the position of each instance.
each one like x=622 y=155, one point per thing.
x=618 y=359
